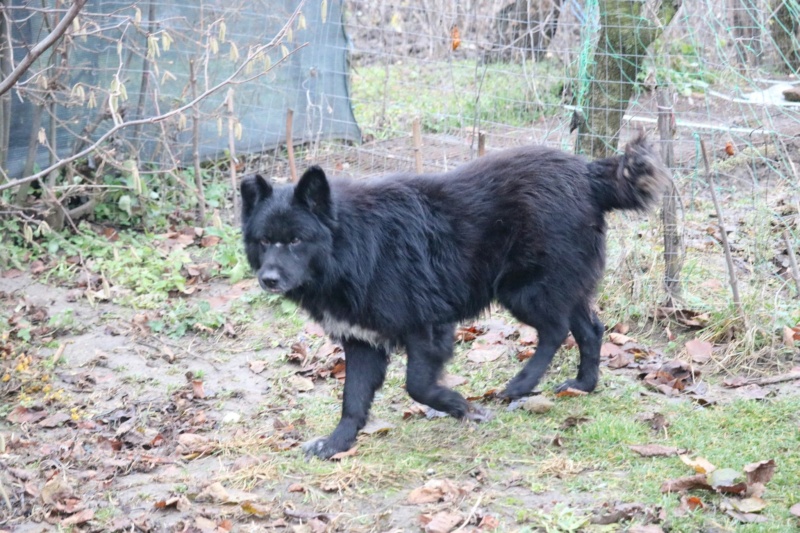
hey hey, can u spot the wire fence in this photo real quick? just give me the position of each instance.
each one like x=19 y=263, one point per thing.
x=432 y=84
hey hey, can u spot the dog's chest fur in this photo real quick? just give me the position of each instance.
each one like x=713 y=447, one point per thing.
x=340 y=330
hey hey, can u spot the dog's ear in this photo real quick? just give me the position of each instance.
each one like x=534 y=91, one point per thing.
x=254 y=188
x=313 y=191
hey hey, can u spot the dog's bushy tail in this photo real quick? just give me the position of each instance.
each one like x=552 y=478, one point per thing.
x=633 y=180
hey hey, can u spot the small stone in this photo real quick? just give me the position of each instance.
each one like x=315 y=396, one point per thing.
x=792 y=94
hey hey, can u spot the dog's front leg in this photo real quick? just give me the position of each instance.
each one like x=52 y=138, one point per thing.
x=365 y=370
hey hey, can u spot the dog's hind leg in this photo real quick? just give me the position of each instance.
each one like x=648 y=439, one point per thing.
x=428 y=350
x=536 y=306
x=365 y=371
x=588 y=332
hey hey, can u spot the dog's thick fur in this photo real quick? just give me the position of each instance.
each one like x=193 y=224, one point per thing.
x=397 y=261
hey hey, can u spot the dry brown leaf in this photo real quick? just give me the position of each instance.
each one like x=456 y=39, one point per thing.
x=682 y=484
x=621 y=327
x=620 y=338
x=296 y=487
x=527 y=336
x=25 y=415
x=699 y=351
x=441 y=522
x=488 y=523
x=760 y=472
x=197 y=389
x=749 y=505
x=301 y=384
x=621 y=360
x=485 y=354
x=341 y=455
x=434 y=490
x=609 y=349
x=655 y=450
x=78 y=518
x=377 y=427
x=255 y=509
x=257 y=367
x=571 y=393
x=691 y=503
x=451 y=380
x=746 y=518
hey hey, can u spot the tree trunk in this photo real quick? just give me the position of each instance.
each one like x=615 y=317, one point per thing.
x=785 y=28
x=627 y=28
x=524 y=28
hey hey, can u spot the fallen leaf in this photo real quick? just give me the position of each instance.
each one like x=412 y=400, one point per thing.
x=647 y=528
x=25 y=415
x=795 y=510
x=746 y=518
x=488 y=523
x=441 y=522
x=485 y=354
x=296 y=487
x=760 y=472
x=54 y=420
x=749 y=505
x=434 y=490
x=257 y=367
x=691 y=503
x=197 y=389
x=752 y=392
x=377 y=427
x=209 y=241
x=735 y=381
x=620 y=360
x=78 y=518
x=571 y=393
x=255 y=509
x=572 y=421
x=301 y=384
x=527 y=337
x=682 y=484
x=700 y=464
x=609 y=349
x=341 y=455
x=727 y=480
x=621 y=327
x=655 y=450
x=216 y=493
x=699 y=351
x=620 y=338
x=451 y=380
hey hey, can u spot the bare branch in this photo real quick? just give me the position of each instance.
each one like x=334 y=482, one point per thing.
x=230 y=80
x=42 y=46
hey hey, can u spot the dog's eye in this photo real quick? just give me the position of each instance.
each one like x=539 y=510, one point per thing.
x=294 y=242
x=265 y=242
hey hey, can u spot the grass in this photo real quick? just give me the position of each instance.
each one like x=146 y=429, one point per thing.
x=452 y=96
x=594 y=465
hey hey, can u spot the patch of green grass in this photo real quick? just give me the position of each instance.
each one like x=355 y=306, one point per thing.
x=447 y=96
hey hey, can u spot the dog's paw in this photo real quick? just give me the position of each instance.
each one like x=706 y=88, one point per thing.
x=322 y=447
x=516 y=390
x=575 y=385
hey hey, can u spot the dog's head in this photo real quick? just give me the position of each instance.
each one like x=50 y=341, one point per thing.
x=287 y=229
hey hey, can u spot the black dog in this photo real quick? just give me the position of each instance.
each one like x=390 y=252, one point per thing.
x=399 y=260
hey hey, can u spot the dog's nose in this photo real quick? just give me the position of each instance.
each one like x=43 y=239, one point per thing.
x=269 y=279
